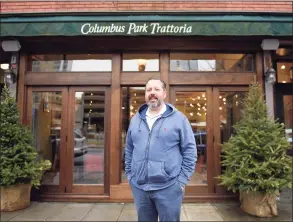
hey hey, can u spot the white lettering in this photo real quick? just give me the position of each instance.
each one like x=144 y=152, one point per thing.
x=83 y=27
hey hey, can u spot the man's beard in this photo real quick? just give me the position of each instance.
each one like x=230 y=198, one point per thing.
x=154 y=105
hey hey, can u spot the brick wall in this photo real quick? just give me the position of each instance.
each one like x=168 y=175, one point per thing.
x=122 y=6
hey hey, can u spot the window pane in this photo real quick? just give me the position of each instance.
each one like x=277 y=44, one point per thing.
x=72 y=63
x=140 y=62
x=285 y=72
x=230 y=112
x=132 y=99
x=288 y=116
x=211 y=62
x=194 y=106
x=46 y=129
x=89 y=141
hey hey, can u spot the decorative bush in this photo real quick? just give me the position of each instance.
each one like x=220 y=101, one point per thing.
x=255 y=157
x=18 y=159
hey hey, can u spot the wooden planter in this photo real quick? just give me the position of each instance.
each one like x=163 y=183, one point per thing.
x=258 y=204
x=15 y=197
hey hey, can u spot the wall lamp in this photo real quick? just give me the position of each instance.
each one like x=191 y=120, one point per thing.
x=270 y=75
x=141 y=64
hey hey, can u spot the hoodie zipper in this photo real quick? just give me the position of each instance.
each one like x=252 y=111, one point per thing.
x=149 y=139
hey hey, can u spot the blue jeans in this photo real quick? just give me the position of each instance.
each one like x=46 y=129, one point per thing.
x=165 y=203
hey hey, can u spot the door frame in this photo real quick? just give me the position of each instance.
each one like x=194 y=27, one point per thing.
x=67 y=141
x=64 y=119
x=88 y=188
x=213 y=134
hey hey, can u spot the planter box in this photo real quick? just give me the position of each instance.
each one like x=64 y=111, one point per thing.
x=258 y=204
x=15 y=197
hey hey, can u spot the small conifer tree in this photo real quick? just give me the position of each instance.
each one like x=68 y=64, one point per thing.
x=255 y=157
x=18 y=159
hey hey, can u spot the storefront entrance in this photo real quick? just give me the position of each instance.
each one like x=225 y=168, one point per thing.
x=69 y=126
x=212 y=112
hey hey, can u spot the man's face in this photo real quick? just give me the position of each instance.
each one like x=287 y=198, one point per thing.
x=154 y=94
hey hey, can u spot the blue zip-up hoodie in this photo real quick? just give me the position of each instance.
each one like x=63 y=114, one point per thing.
x=157 y=158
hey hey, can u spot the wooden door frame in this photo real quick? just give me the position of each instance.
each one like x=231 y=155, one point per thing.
x=28 y=122
x=88 y=188
x=213 y=133
x=209 y=187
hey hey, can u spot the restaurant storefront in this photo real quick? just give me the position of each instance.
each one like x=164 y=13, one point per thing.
x=81 y=79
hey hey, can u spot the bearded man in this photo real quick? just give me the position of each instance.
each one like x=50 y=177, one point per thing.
x=160 y=156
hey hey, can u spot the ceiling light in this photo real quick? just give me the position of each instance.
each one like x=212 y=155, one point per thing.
x=4 y=66
x=283 y=67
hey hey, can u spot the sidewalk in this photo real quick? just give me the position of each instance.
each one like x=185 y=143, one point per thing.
x=225 y=211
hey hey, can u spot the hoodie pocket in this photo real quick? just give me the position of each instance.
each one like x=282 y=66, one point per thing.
x=156 y=172
x=141 y=172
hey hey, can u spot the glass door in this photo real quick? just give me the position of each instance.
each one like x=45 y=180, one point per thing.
x=87 y=146
x=46 y=114
x=212 y=112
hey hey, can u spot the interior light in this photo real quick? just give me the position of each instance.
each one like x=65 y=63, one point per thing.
x=123 y=107
x=191 y=114
x=203 y=95
x=5 y=66
x=283 y=81
x=220 y=108
x=283 y=67
x=198 y=97
x=224 y=99
x=191 y=105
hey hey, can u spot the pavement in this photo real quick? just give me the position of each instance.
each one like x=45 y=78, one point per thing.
x=63 y=211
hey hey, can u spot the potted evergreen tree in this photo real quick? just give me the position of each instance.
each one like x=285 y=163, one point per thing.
x=19 y=167
x=255 y=159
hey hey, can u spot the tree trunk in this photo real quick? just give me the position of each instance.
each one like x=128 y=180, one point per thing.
x=258 y=204
x=15 y=197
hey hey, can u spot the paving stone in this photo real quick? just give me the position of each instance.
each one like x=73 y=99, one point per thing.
x=197 y=212
x=234 y=213
x=72 y=212
x=104 y=212
x=40 y=212
x=6 y=216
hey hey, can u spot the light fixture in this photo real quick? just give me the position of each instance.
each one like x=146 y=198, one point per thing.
x=9 y=77
x=5 y=66
x=141 y=64
x=11 y=46
x=270 y=75
x=283 y=67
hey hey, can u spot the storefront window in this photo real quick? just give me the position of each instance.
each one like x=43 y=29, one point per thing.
x=288 y=117
x=71 y=63
x=285 y=72
x=203 y=62
x=140 y=62
x=132 y=99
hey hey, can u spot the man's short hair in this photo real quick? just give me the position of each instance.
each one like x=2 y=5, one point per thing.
x=157 y=78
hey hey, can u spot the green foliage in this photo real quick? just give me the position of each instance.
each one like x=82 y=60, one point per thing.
x=18 y=159
x=255 y=157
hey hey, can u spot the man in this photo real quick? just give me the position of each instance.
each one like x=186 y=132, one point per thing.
x=160 y=156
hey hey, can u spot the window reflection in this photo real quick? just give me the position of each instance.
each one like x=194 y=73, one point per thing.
x=132 y=99
x=71 y=63
x=46 y=129
x=230 y=109
x=89 y=138
x=194 y=106
x=140 y=62
x=211 y=62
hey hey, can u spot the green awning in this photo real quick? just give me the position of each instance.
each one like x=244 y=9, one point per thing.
x=147 y=25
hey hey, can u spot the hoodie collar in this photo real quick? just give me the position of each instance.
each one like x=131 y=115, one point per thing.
x=170 y=109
